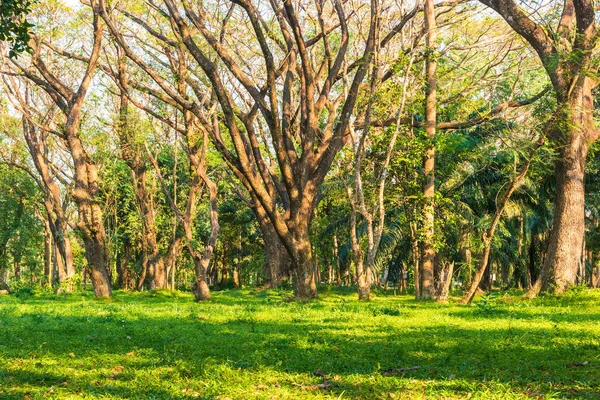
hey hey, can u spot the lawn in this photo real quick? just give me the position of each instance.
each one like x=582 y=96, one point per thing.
x=247 y=344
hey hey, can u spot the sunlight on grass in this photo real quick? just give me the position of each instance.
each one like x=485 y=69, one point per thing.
x=246 y=344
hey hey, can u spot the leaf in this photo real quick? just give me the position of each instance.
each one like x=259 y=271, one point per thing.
x=396 y=371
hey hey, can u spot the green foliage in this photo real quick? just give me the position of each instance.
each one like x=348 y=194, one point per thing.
x=14 y=28
x=487 y=301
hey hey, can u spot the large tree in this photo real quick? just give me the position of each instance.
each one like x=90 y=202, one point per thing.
x=69 y=95
x=286 y=90
x=566 y=54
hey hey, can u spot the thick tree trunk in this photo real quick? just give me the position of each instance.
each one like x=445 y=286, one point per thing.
x=445 y=282
x=97 y=258
x=568 y=228
x=304 y=278
x=91 y=223
x=277 y=260
x=200 y=288
x=571 y=132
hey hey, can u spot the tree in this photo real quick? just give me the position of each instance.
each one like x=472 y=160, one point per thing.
x=308 y=114
x=70 y=100
x=566 y=54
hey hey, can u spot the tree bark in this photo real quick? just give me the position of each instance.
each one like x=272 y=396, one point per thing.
x=427 y=245
x=48 y=245
x=172 y=256
x=445 y=282
x=568 y=227
x=278 y=263
x=304 y=277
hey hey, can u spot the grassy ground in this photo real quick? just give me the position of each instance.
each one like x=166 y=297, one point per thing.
x=246 y=344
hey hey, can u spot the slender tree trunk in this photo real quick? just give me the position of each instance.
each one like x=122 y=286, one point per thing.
x=362 y=274
x=416 y=260
x=172 y=255
x=200 y=289
x=489 y=234
x=53 y=203
x=595 y=274
x=48 y=245
x=17 y=269
x=61 y=242
x=427 y=246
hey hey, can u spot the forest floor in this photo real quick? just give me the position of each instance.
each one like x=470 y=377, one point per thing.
x=248 y=344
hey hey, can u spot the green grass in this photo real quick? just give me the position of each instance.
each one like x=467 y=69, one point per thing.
x=245 y=344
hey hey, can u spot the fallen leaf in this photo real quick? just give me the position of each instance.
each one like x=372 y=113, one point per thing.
x=396 y=371
x=577 y=364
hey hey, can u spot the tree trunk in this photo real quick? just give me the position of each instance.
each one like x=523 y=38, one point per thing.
x=595 y=274
x=568 y=228
x=573 y=127
x=415 y=256
x=277 y=260
x=427 y=246
x=17 y=269
x=48 y=245
x=304 y=277
x=156 y=267
x=200 y=288
x=445 y=282
x=172 y=256
x=363 y=282
x=91 y=220
x=53 y=203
